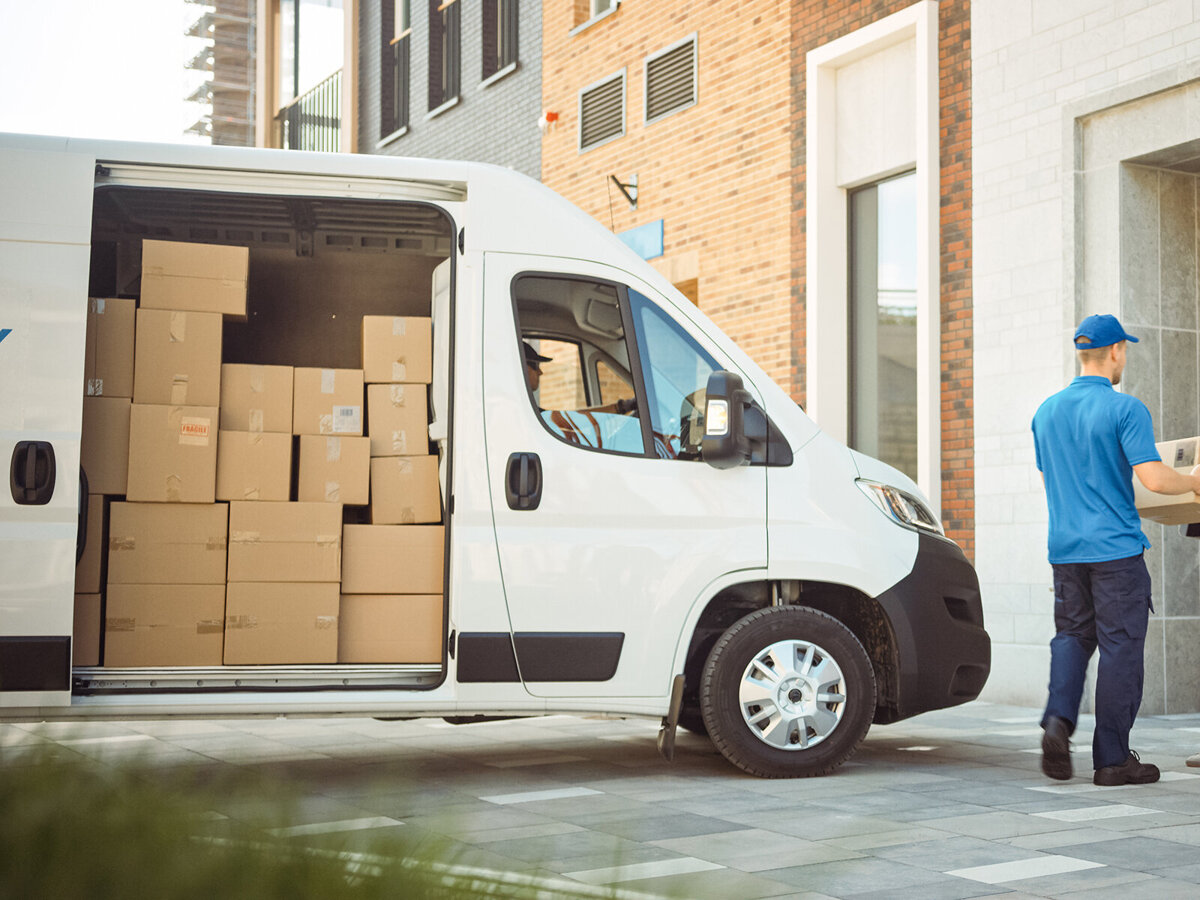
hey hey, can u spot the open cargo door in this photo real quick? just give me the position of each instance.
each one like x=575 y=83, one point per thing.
x=45 y=224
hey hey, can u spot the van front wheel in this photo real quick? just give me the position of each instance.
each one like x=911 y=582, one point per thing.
x=787 y=692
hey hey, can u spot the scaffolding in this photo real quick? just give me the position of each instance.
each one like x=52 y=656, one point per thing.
x=228 y=96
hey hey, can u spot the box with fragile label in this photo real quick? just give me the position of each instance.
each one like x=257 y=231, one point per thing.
x=87 y=570
x=108 y=357
x=173 y=454
x=405 y=491
x=197 y=277
x=279 y=624
x=397 y=349
x=167 y=543
x=85 y=631
x=392 y=559
x=390 y=628
x=256 y=398
x=285 y=542
x=164 y=625
x=254 y=465
x=104 y=446
x=327 y=401
x=178 y=358
x=1182 y=455
x=398 y=419
x=334 y=469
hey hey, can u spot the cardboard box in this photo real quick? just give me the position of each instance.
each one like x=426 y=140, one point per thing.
x=256 y=398
x=334 y=469
x=87 y=571
x=104 y=446
x=85 y=632
x=254 y=466
x=392 y=559
x=167 y=543
x=398 y=419
x=327 y=401
x=1171 y=509
x=390 y=628
x=178 y=358
x=405 y=490
x=172 y=454
x=108 y=357
x=164 y=625
x=277 y=624
x=397 y=349
x=285 y=542
x=195 y=277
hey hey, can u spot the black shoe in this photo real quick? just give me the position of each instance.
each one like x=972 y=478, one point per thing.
x=1056 y=749
x=1132 y=771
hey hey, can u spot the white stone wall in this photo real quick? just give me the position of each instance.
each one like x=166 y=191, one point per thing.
x=1040 y=68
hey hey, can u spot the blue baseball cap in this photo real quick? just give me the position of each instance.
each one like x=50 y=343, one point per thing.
x=1100 y=331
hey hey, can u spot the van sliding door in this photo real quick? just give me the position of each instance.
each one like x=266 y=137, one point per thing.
x=45 y=240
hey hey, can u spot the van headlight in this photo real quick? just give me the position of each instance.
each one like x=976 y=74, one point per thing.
x=901 y=506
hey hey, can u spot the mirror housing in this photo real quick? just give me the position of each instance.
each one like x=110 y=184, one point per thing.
x=726 y=444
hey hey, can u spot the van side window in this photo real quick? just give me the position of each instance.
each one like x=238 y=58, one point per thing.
x=577 y=362
x=676 y=370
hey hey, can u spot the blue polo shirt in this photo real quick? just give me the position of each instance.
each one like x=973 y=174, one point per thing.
x=1088 y=438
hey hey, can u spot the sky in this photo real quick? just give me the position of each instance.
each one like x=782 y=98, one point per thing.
x=98 y=68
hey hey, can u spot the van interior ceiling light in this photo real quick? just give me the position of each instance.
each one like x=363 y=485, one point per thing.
x=716 y=418
x=903 y=507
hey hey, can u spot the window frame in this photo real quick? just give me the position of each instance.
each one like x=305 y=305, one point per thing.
x=694 y=40
x=623 y=75
x=507 y=32
x=396 y=66
x=446 y=16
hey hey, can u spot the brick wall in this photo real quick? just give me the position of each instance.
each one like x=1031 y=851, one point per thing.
x=496 y=124
x=813 y=24
x=717 y=173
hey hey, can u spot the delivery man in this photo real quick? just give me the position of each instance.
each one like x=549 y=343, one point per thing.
x=1090 y=441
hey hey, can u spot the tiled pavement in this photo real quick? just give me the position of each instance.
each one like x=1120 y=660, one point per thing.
x=950 y=804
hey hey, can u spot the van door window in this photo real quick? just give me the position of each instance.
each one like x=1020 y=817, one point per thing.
x=676 y=370
x=577 y=362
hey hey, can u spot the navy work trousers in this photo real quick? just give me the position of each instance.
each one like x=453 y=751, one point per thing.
x=1105 y=604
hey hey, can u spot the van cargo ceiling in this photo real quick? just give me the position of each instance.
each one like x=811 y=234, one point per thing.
x=308 y=224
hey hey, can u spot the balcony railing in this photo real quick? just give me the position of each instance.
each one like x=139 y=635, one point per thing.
x=313 y=121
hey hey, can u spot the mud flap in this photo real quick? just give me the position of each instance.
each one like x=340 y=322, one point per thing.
x=666 y=734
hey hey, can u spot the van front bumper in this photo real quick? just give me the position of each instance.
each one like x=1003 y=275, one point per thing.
x=942 y=653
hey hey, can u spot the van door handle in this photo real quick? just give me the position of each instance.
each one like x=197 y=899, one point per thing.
x=523 y=481
x=31 y=474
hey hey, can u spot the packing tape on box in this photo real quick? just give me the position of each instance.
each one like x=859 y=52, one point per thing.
x=245 y=537
x=215 y=543
x=122 y=543
x=96 y=305
x=95 y=387
x=400 y=441
x=210 y=626
x=328 y=380
x=179 y=389
x=399 y=326
x=408 y=515
x=325 y=423
x=257 y=379
x=404 y=466
x=333 y=492
x=236 y=622
x=177 y=328
x=174 y=487
x=324 y=623
x=400 y=369
x=250 y=493
x=255 y=421
x=328 y=540
x=120 y=623
x=254 y=439
x=397 y=394
x=333 y=449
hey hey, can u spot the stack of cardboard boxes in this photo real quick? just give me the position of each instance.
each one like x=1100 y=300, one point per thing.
x=210 y=560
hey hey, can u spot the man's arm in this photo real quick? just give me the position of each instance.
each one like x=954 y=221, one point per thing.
x=1157 y=476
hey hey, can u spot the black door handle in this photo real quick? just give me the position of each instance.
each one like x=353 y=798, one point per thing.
x=523 y=481
x=31 y=474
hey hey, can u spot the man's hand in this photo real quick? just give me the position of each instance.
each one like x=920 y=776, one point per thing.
x=1157 y=476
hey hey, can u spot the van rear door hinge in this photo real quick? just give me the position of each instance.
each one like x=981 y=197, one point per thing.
x=450 y=643
x=462 y=240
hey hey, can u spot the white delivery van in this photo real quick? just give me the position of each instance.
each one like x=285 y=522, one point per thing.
x=658 y=530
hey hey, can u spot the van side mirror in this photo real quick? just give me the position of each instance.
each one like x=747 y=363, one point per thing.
x=725 y=444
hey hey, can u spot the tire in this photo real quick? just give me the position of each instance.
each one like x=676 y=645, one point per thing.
x=787 y=692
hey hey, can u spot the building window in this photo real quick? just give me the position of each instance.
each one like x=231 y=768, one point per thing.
x=586 y=12
x=499 y=35
x=602 y=112
x=395 y=65
x=883 y=322
x=671 y=80
x=602 y=6
x=310 y=44
x=444 y=43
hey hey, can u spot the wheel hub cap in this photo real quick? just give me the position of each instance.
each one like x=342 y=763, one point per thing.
x=792 y=695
